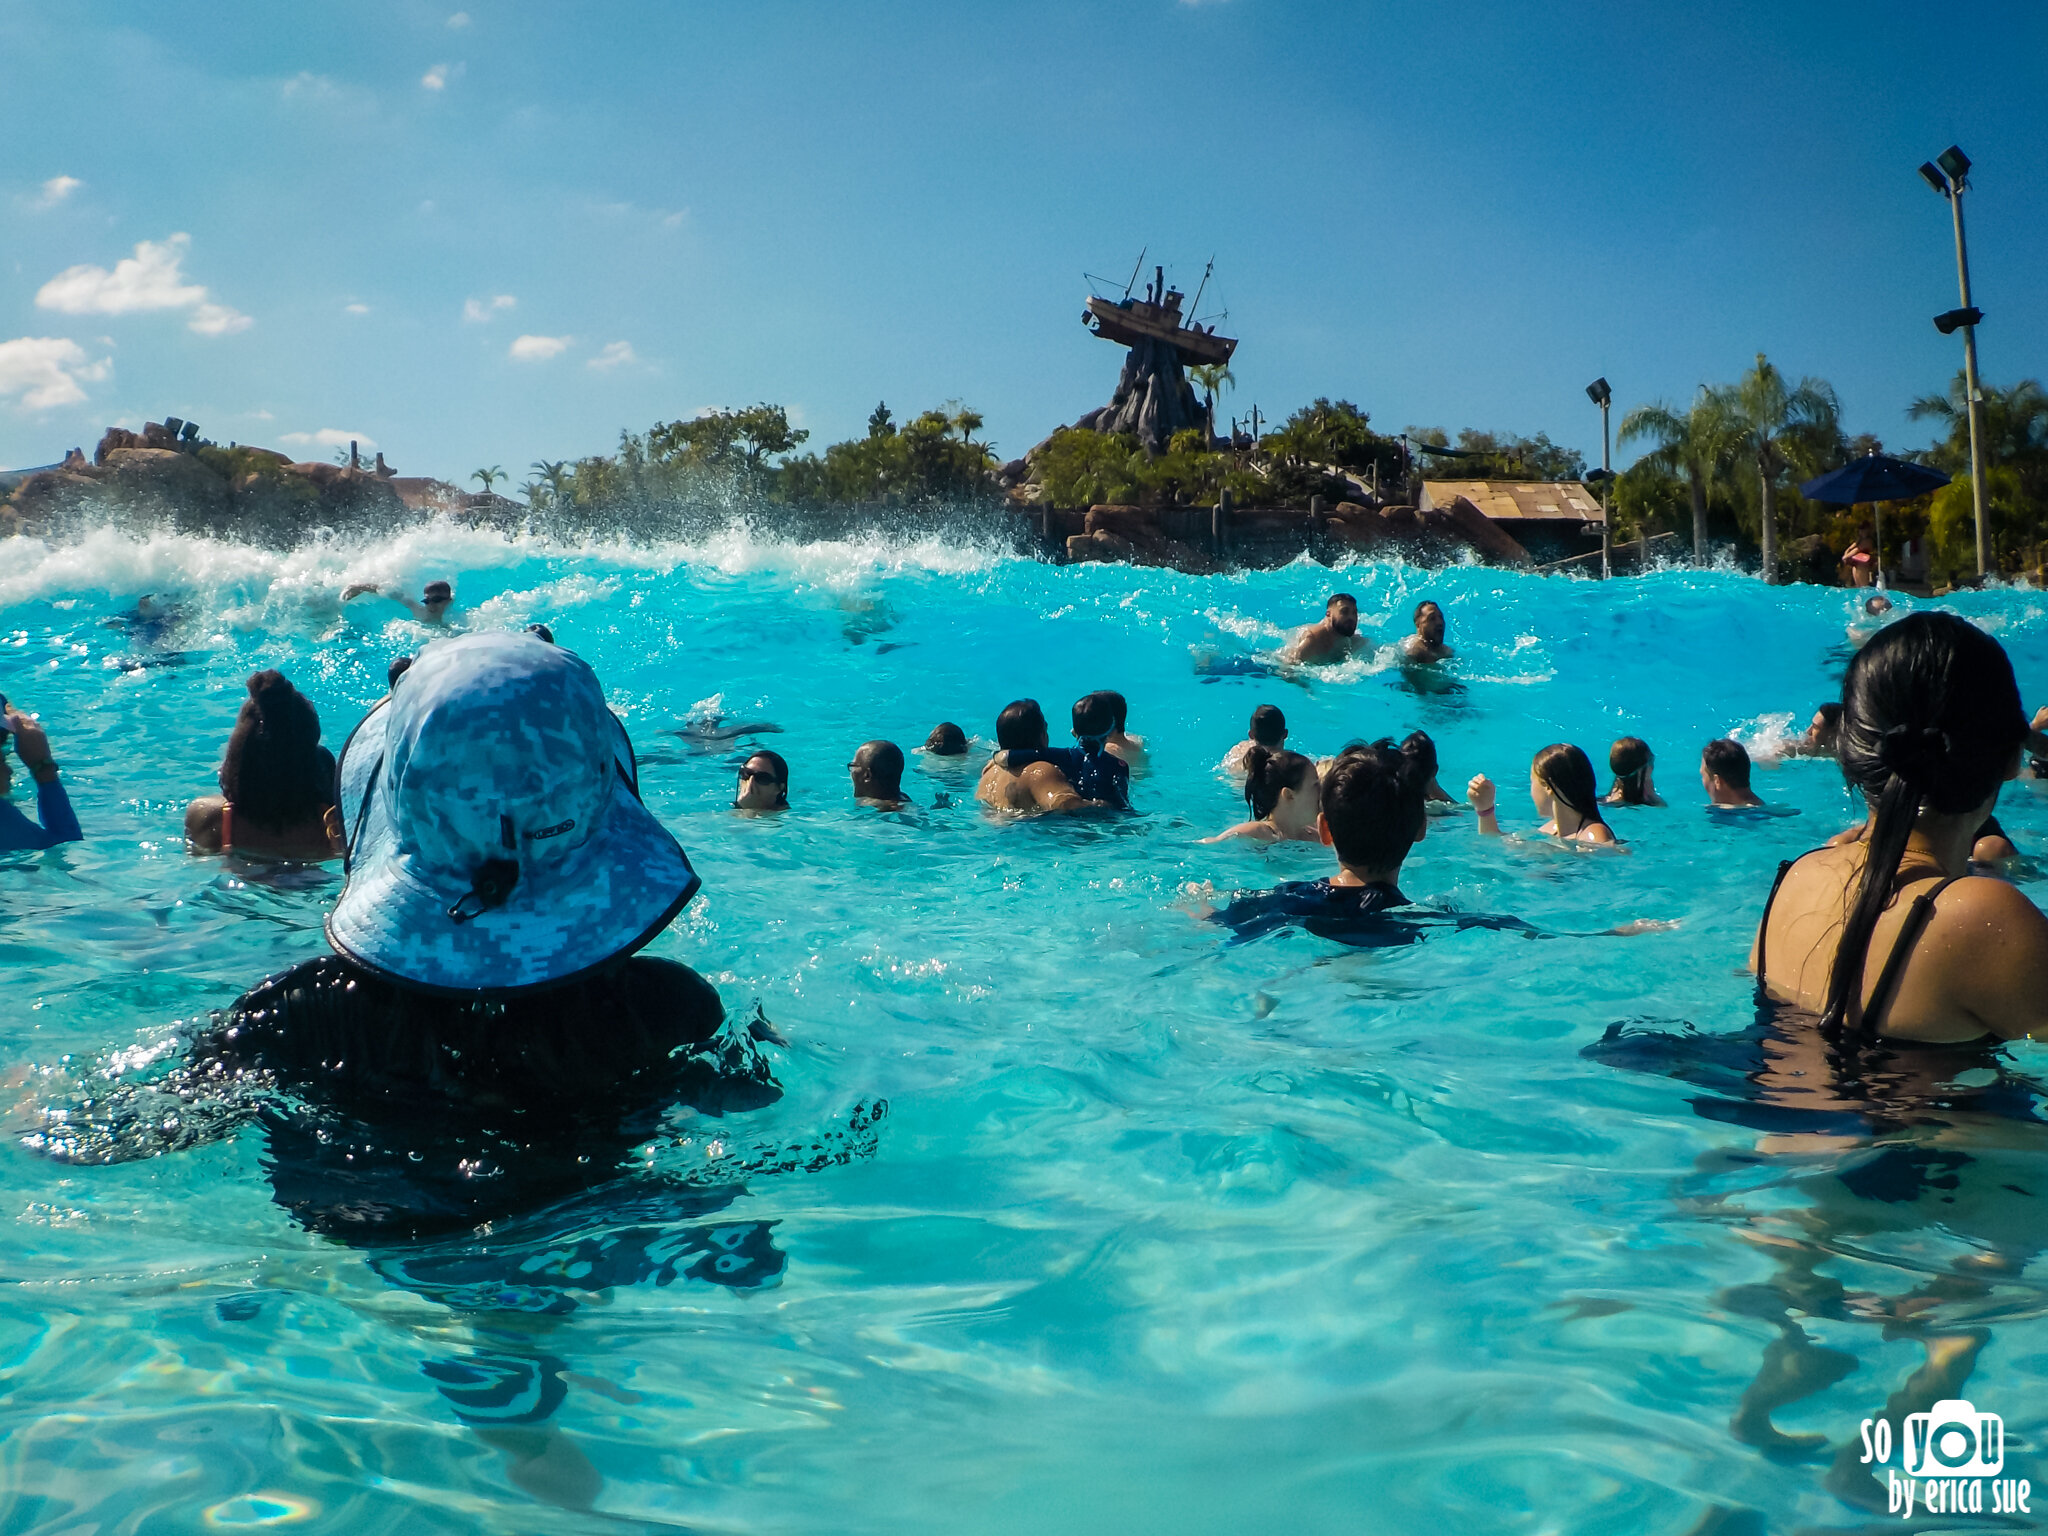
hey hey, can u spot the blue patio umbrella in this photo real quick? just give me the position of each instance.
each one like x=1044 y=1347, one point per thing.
x=1875 y=478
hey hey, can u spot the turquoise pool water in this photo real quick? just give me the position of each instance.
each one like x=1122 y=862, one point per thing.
x=1156 y=1233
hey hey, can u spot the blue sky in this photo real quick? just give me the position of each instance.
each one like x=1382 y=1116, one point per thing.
x=483 y=233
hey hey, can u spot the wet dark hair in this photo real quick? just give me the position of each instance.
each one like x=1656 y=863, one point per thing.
x=1931 y=719
x=1373 y=801
x=763 y=755
x=1339 y=597
x=884 y=763
x=1118 y=706
x=275 y=772
x=1423 y=750
x=947 y=740
x=1628 y=757
x=1424 y=606
x=1568 y=774
x=437 y=591
x=1094 y=715
x=1269 y=726
x=1831 y=723
x=1267 y=772
x=541 y=632
x=1020 y=725
x=398 y=668
x=1728 y=760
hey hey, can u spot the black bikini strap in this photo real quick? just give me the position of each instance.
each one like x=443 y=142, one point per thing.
x=1764 y=925
x=1902 y=949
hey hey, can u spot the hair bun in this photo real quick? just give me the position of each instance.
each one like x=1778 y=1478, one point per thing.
x=1914 y=753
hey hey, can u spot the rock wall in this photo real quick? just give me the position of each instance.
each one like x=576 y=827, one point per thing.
x=1153 y=399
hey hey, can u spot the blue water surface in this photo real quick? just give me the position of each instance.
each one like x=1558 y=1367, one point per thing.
x=1072 y=1217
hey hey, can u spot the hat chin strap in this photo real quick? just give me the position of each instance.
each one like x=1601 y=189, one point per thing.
x=490 y=887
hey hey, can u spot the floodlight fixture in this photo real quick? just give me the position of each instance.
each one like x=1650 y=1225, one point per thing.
x=1956 y=163
x=1947 y=323
x=1598 y=392
x=1933 y=177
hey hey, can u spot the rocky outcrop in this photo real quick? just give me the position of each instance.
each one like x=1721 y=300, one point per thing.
x=1153 y=399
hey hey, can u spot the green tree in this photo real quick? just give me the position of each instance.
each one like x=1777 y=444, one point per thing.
x=556 y=475
x=2015 y=423
x=487 y=477
x=1775 y=427
x=1213 y=379
x=1080 y=468
x=1697 y=444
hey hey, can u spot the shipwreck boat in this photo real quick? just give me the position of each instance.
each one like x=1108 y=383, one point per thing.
x=1156 y=318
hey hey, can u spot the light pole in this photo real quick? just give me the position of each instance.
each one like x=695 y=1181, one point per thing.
x=1950 y=178
x=1602 y=396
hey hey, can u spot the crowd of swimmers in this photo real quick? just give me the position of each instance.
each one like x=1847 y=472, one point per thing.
x=1929 y=727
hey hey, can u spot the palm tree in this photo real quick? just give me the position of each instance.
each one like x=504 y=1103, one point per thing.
x=1775 y=426
x=2015 y=421
x=488 y=477
x=555 y=474
x=1214 y=378
x=1695 y=445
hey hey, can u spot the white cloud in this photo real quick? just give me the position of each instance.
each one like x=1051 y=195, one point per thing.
x=329 y=437
x=46 y=371
x=671 y=220
x=56 y=189
x=217 y=320
x=355 y=309
x=534 y=349
x=151 y=279
x=458 y=21
x=261 y=416
x=436 y=79
x=477 y=311
x=614 y=353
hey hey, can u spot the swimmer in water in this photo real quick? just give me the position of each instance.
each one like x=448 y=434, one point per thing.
x=1564 y=792
x=1931 y=729
x=877 y=770
x=1024 y=775
x=764 y=783
x=1332 y=639
x=946 y=740
x=1818 y=739
x=1724 y=774
x=58 y=822
x=1427 y=643
x=1118 y=743
x=432 y=607
x=1632 y=762
x=276 y=795
x=1268 y=730
x=1284 y=792
x=1877 y=609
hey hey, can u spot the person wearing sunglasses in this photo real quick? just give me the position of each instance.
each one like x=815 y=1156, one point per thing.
x=59 y=823
x=764 y=783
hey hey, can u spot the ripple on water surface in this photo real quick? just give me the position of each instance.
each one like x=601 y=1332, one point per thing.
x=1158 y=1233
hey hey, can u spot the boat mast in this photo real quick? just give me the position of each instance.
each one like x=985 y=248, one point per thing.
x=1194 y=309
x=1136 y=268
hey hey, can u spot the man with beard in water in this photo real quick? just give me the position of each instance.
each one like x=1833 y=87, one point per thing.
x=485 y=1042
x=1333 y=639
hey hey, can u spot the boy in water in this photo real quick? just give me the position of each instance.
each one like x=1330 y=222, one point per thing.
x=431 y=608
x=1724 y=774
x=1268 y=730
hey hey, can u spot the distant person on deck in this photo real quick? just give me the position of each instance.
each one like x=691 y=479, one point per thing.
x=431 y=608
x=1268 y=730
x=1427 y=643
x=1564 y=792
x=276 y=782
x=1632 y=763
x=1024 y=775
x=877 y=770
x=1724 y=774
x=53 y=807
x=1332 y=639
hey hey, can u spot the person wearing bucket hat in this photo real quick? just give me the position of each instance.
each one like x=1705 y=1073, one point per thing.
x=501 y=875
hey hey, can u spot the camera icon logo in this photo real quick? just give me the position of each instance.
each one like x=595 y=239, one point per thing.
x=1952 y=1439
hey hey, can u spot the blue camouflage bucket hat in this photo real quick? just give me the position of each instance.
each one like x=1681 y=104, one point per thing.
x=496 y=839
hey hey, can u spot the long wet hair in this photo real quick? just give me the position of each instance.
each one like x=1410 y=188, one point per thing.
x=275 y=772
x=1267 y=772
x=1568 y=774
x=1628 y=757
x=775 y=761
x=1931 y=718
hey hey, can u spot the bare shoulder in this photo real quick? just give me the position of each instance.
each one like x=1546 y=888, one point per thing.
x=202 y=823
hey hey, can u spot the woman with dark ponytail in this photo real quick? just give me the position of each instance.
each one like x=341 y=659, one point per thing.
x=1891 y=935
x=276 y=795
x=1285 y=796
